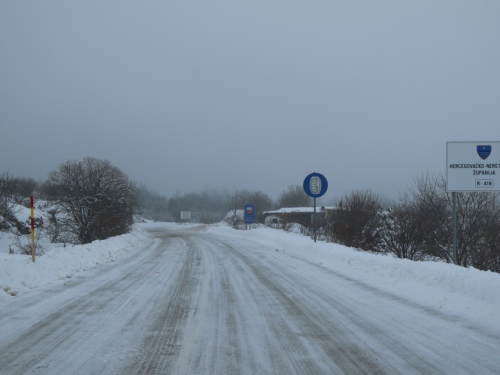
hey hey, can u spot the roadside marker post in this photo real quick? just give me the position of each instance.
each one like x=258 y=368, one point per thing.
x=32 y=231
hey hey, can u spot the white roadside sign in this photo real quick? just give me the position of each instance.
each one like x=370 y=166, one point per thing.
x=473 y=166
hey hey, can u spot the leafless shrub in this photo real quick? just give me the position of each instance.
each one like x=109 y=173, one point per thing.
x=401 y=231
x=478 y=222
x=96 y=198
x=22 y=245
x=294 y=196
x=356 y=220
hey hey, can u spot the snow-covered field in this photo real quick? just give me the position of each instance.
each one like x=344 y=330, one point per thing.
x=465 y=291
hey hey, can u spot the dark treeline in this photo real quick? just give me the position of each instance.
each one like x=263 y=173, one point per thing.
x=208 y=206
x=92 y=199
x=14 y=191
x=419 y=226
x=85 y=200
x=211 y=205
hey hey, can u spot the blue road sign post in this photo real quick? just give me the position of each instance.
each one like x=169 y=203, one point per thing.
x=315 y=185
x=249 y=214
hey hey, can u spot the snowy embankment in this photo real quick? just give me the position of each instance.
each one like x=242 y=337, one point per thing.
x=465 y=292
x=19 y=275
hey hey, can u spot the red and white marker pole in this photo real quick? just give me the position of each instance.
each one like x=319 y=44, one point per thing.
x=32 y=231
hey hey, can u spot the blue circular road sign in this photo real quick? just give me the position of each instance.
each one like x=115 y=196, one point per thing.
x=315 y=185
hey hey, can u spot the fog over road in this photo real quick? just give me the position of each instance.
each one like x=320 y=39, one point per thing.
x=195 y=302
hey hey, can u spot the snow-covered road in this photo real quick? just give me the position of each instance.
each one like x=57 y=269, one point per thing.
x=202 y=302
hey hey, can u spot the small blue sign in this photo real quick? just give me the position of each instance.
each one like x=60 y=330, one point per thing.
x=249 y=214
x=315 y=185
x=484 y=151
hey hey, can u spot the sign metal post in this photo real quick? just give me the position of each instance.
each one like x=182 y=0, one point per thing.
x=471 y=167
x=315 y=185
x=455 y=252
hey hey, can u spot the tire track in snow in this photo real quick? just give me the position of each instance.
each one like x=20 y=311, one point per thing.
x=194 y=303
x=351 y=338
x=168 y=328
x=94 y=316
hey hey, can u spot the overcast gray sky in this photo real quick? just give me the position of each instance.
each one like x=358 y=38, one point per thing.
x=183 y=95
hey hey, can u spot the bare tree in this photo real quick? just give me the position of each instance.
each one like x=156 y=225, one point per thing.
x=262 y=203
x=207 y=206
x=237 y=199
x=475 y=214
x=491 y=248
x=355 y=220
x=24 y=187
x=433 y=203
x=211 y=206
x=294 y=196
x=401 y=230
x=152 y=205
x=7 y=191
x=97 y=198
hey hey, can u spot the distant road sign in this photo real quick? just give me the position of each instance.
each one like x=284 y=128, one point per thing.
x=249 y=214
x=315 y=185
x=185 y=215
x=472 y=166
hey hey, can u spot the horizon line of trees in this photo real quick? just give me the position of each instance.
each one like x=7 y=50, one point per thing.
x=86 y=200
x=419 y=226
x=92 y=199
x=211 y=205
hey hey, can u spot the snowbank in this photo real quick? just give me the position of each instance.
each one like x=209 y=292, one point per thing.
x=455 y=290
x=18 y=274
x=458 y=290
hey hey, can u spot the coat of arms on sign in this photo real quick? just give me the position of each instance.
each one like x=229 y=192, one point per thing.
x=483 y=151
